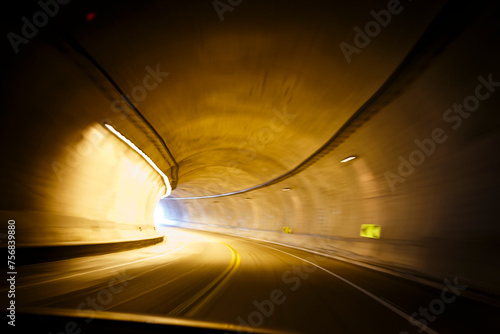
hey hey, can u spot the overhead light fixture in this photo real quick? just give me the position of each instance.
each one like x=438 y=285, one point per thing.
x=142 y=154
x=349 y=158
x=285 y=189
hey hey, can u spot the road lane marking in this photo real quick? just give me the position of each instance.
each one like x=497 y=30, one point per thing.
x=210 y=291
x=128 y=278
x=101 y=269
x=369 y=294
x=149 y=290
x=219 y=286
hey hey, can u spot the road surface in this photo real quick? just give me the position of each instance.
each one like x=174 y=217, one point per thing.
x=214 y=277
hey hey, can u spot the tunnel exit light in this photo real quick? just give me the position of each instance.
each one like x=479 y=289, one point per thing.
x=349 y=158
x=148 y=159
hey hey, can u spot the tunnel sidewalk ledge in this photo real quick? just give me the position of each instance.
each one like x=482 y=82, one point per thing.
x=472 y=292
x=26 y=254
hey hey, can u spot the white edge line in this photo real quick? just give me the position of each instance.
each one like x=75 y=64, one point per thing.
x=148 y=159
x=93 y=271
x=381 y=301
x=369 y=294
x=406 y=276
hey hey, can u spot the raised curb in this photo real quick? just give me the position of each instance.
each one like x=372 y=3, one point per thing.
x=37 y=254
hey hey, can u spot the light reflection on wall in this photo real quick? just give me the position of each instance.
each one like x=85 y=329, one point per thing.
x=104 y=192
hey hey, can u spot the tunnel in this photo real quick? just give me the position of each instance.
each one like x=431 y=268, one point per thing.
x=293 y=166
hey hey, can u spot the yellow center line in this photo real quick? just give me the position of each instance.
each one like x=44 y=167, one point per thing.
x=199 y=300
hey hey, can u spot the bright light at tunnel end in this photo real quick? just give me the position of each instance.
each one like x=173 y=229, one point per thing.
x=160 y=219
x=349 y=158
x=148 y=159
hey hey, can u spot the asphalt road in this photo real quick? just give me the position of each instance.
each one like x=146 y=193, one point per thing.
x=214 y=277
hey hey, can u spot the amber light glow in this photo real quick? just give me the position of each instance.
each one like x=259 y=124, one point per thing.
x=142 y=154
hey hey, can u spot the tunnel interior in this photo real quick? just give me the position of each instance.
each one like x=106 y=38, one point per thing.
x=249 y=109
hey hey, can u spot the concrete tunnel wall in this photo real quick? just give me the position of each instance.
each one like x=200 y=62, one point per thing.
x=67 y=179
x=438 y=211
x=225 y=83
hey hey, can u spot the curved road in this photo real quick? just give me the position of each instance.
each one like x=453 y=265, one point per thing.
x=213 y=277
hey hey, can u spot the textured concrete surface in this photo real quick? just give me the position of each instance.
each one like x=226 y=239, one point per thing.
x=224 y=105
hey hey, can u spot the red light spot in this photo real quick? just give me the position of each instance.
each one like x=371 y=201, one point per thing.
x=90 y=16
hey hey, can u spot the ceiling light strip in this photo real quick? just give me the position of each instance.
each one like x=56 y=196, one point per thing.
x=349 y=158
x=148 y=159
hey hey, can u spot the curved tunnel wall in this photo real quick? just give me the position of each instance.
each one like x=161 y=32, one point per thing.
x=66 y=178
x=425 y=174
x=226 y=83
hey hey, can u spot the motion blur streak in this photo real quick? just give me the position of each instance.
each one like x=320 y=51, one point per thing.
x=101 y=269
x=148 y=159
x=153 y=151
x=369 y=294
x=174 y=280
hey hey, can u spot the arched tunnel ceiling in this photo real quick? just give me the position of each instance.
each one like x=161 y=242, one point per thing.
x=241 y=101
x=227 y=105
